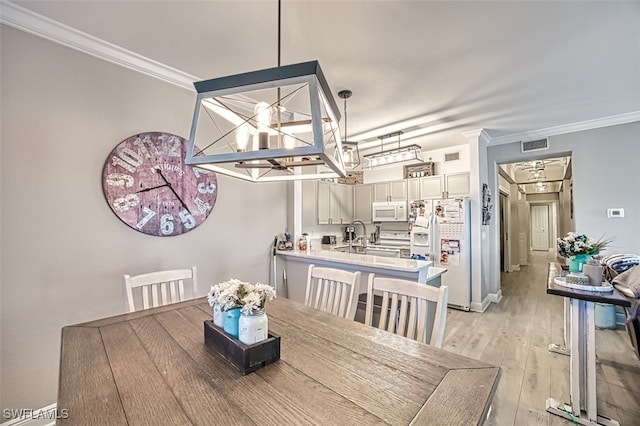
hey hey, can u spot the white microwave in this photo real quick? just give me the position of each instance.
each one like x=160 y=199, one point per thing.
x=390 y=211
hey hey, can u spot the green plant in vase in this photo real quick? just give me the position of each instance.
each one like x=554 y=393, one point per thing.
x=579 y=248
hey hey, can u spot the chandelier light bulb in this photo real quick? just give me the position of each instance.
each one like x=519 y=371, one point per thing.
x=242 y=137
x=262 y=112
x=289 y=142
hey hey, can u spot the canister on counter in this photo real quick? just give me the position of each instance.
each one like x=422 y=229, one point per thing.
x=303 y=243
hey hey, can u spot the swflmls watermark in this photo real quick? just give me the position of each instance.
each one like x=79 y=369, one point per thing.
x=31 y=414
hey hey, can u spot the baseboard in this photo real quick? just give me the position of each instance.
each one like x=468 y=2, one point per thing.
x=514 y=268
x=45 y=416
x=495 y=297
x=488 y=300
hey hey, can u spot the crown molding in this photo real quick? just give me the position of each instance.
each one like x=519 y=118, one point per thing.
x=613 y=120
x=41 y=26
x=480 y=135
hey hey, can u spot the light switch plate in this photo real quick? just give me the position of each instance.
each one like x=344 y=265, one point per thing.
x=615 y=212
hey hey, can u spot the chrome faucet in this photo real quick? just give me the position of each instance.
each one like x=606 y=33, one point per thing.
x=363 y=238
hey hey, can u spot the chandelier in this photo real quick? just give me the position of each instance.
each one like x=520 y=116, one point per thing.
x=268 y=125
x=394 y=155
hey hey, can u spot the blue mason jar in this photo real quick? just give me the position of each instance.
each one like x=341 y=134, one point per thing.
x=230 y=323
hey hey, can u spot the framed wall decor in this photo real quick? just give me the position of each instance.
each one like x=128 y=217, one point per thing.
x=487 y=206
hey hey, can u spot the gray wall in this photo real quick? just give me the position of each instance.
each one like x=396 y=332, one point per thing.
x=63 y=251
x=605 y=174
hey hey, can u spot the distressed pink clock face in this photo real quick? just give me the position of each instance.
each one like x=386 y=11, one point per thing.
x=150 y=188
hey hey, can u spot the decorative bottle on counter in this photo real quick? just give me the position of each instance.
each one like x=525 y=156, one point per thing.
x=253 y=327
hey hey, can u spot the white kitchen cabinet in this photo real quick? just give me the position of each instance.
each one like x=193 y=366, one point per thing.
x=444 y=186
x=324 y=203
x=457 y=184
x=413 y=189
x=362 y=199
x=335 y=203
x=390 y=191
x=431 y=187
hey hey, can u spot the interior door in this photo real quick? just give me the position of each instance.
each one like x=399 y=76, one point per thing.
x=540 y=227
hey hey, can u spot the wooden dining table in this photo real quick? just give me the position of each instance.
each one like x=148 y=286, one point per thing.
x=153 y=367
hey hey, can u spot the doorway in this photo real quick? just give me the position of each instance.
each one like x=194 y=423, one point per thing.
x=505 y=260
x=540 y=227
x=534 y=210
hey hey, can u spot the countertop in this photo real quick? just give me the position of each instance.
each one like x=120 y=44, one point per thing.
x=392 y=263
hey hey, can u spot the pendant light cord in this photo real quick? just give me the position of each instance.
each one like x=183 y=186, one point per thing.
x=345 y=120
x=279 y=30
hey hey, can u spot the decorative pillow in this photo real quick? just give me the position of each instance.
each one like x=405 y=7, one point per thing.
x=628 y=282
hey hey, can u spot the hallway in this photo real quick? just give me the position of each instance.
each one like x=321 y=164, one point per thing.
x=515 y=334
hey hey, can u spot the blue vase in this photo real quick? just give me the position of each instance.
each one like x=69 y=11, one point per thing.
x=230 y=322
x=577 y=261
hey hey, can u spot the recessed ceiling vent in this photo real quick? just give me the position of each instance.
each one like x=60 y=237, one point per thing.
x=537 y=145
x=451 y=156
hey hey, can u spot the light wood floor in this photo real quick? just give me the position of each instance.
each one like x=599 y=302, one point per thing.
x=515 y=334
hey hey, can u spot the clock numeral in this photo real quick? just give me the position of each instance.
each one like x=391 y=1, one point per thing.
x=128 y=159
x=202 y=206
x=140 y=143
x=148 y=215
x=187 y=220
x=117 y=161
x=170 y=145
x=123 y=204
x=206 y=190
x=197 y=171
x=120 y=180
x=166 y=224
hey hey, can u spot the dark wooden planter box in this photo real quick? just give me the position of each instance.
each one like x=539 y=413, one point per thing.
x=246 y=358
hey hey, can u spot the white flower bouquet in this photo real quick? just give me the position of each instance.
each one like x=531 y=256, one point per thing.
x=235 y=294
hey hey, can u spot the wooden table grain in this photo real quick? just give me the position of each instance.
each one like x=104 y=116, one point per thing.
x=153 y=367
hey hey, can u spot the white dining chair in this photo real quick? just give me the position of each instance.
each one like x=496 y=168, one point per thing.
x=160 y=287
x=333 y=290
x=405 y=308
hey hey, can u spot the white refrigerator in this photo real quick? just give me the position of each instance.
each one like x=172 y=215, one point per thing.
x=440 y=232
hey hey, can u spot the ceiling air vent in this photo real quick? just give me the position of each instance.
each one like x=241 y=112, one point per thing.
x=451 y=156
x=535 y=145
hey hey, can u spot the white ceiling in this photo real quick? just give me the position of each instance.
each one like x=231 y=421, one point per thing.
x=549 y=173
x=448 y=67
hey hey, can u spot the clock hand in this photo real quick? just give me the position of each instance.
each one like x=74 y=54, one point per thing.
x=173 y=190
x=153 y=187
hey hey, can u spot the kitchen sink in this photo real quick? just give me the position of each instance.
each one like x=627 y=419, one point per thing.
x=374 y=250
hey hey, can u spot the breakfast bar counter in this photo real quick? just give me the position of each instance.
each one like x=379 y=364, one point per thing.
x=296 y=264
x=154 y=367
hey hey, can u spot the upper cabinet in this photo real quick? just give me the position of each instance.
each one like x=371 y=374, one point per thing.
x=444 y=186
x=413 y=189
x=362 y=199
x=335 y=203
x=457 y=184
x=432 y=187
x=390 y=191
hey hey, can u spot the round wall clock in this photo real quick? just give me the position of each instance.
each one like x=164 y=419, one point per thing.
x=150 y=188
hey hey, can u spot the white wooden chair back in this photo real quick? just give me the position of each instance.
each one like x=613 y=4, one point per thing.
x=405 y=307
x=161 y=287
x=333 y=290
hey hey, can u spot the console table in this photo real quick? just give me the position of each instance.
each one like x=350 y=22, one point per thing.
x=583 y=406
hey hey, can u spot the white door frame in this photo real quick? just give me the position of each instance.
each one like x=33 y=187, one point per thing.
x=506 y=209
